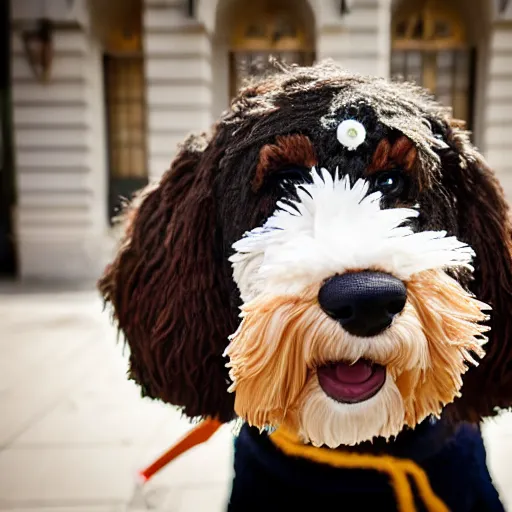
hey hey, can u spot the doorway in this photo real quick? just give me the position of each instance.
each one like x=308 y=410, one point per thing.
x=125 y=105
x=7 y=181
x=126 y=127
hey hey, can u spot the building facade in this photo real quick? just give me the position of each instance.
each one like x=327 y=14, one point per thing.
x=100 y=93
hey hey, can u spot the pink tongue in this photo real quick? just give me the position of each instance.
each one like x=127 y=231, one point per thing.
x=351 y=383
x=353 y=374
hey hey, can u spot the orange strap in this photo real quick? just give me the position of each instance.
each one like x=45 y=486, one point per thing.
x=199 y=434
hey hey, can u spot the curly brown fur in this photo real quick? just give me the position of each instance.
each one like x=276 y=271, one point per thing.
x=168 y=293
x=483 y=218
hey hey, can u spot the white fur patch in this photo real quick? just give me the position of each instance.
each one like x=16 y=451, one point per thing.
x=332 y=228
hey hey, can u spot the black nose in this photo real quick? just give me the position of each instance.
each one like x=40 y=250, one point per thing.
x=364 y=303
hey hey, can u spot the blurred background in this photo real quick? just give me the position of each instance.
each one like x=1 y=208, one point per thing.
x=95 y=95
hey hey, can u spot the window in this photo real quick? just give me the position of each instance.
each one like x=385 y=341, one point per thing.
x=431 y=49
x=268 y=29
x=124 y=92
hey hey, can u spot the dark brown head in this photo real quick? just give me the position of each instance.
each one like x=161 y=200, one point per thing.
x=171 y=285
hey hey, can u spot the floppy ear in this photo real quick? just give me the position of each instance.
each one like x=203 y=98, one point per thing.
x=168 y=289
x=484 y=223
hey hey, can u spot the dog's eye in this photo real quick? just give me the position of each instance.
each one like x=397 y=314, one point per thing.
x=390 y=183
x=294 y=173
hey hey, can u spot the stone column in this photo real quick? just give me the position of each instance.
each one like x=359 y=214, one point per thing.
x=178 y=64
x=61 y=217
x=498 y=105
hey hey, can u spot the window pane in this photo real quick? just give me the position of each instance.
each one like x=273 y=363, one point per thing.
x=126 y=116
x=462 y=71
x=442 y=29
x=138 y=162
x=414 y=70
x=417 y=32
x=284 y=27
x=255 y=31
x=122 y=168
x=398 y=64
x=444 y=72
x=460 y=106
x=401 y=28
x=445 y=59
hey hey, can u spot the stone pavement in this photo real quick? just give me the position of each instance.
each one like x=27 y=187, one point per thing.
x=74 y=431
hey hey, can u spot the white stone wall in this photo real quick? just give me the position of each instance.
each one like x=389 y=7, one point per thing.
x=498 y=105
x=61 y=217
x=178 y=64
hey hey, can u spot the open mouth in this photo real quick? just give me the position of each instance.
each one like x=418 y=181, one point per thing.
x=351 y=383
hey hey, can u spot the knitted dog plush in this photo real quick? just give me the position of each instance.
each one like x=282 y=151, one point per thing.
x=331 y=265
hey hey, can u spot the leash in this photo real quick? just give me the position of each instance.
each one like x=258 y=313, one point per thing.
x=399 y=470
x=198 y=435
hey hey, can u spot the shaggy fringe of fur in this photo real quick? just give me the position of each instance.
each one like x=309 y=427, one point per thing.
x=282 y=340
x=410 y=106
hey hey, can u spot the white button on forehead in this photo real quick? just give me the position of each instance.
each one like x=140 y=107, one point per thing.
x=351 y=134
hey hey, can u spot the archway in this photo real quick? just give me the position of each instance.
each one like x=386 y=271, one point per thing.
x=267 y=29
x=246 y=35
x=431 y=46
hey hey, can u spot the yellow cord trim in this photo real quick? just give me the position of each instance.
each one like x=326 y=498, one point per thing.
x=399 y=470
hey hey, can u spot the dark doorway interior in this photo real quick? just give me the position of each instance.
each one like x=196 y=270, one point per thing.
x=7 y=189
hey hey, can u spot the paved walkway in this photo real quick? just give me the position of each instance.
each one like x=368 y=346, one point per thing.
x=73 y=430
